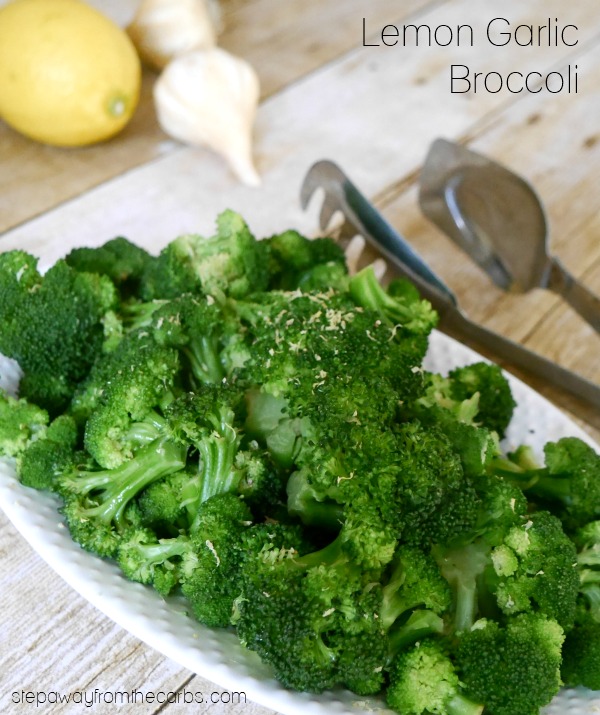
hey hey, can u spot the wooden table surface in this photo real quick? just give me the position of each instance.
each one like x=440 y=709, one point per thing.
x=374 y=110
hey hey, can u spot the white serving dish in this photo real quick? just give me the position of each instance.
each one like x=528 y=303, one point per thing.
x=216 y=654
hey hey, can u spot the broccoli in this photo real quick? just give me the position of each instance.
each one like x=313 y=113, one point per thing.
x=20 y=424
x=96 y=500
x=207 y=337
x=581 y=655
x=401 y=306
x=424 y=680
x=458 y=419
x=45 y=459
x=514 y=669
x=568 y=485
x=320 y=620
x=581 y=651
x=119 y=259
x=127 y=396
x=526 y=567
x=243 y=424
x=231 y=263
x=312 y=617
x=146 y=559
x=587 y=540
x=495 y=404
x=298 y=262
x=51 y=325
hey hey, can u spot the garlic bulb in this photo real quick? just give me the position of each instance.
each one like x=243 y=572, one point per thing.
x=209 y=98
x=164 y=29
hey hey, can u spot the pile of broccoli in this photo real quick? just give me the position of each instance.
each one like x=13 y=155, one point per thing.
x=246 y=424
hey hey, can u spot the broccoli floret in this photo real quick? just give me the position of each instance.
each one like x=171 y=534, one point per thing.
x=401 y=307
x=146 y=559
x=299 y=262
x=572 y=480
x=510 y=563
x=210 y=573
x=568 y=485
x=533 y=569
x=581 y=655
x=164 y=504
x=495 y=404
x=424 y=680
x=21 y=423
x=207 y=336
x=512 y=669
x=413 y=598
x=51 y=325
x=459 y=420
x=45 y=459
x=320 y=620
x=231 y=263
x=130 y=391
x=587 y=541
x=96 y=501
x=206 y=420
x=119 y=259
x=312 y=618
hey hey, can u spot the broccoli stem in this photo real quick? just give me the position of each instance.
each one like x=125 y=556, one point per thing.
x=327 y=556
x=136 y=314
x=555 y=488
x=304 y=503
x=462 y=567
x=203 y=355
x=122 y=484
x=367 y=291
x=460 y=705
x=421 y=624
x=156 y=554
x=146 y=431
x=217 y=473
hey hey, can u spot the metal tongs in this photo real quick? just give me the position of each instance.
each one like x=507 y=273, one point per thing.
x=360 y=217
x=497 y=218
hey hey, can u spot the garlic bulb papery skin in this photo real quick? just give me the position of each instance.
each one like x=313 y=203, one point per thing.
x=209 y=98
x=164 y=29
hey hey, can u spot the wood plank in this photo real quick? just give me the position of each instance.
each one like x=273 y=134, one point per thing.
x=286 y=41
x=535 y=138
x=54 y=640
x=49 y=654
x=384 y=115
x=274 y=37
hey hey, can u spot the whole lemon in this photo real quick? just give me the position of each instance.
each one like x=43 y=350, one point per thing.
x=68 y=75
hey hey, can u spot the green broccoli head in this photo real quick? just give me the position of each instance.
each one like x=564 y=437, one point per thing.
x=400 y=306
x=534 y=569
x=424 y=680
x=51 y=325
x=513 y=668
x=571 y=483
x=581 y=655
x=210 y=572
x=118 y=259
x=44 y=460
x=148 y=560
x=299 y=262
x=100 y=504
x=495 y=405
x=312 y=618
x=230 y=263
x=21 y=423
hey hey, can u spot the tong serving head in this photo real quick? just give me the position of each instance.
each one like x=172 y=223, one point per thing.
x=359 y=217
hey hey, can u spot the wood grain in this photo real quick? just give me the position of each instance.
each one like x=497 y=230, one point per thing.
x=376 y=112
x=276 y=38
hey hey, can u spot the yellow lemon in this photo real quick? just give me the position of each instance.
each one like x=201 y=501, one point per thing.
x=68 y=75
